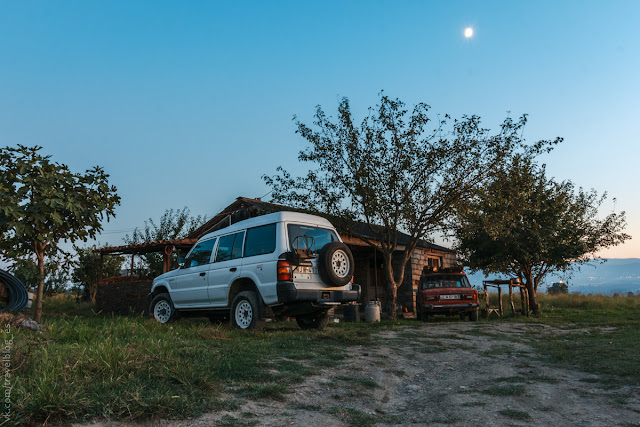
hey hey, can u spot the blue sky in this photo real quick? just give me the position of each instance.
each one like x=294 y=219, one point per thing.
x=189 y=103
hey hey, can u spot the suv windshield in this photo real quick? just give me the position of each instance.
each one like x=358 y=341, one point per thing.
x=321 y=236
x=444 y=281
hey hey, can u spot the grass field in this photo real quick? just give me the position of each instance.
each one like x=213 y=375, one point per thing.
x=89 y=365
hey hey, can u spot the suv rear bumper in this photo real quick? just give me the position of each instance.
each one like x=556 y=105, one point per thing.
x=287 y=292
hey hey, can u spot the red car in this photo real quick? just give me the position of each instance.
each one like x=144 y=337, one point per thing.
x=446 y=291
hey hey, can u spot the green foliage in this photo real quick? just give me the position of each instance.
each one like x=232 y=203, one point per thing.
x=398 y=170
x=86 y=273
x=173 y=224
x=43 y=203
x=590 y=310
x=526 y=225
x=558 y=288
x=55 y=269
x=26 y=270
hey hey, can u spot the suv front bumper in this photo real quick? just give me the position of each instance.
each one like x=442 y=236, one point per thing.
x=287 y=292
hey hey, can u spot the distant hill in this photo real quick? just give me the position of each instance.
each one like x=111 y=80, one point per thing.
x=614 y=275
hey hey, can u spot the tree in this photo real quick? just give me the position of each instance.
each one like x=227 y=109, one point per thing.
x=86 y=273
x=397 y=170
x=44 y=203
x=558 y=288
x=25 y=270
x=527 y=225
x=56 y=277
x=174 y=224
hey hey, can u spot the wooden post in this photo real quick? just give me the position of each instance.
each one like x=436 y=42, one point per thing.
x=133 y=255
x=486 y=300
x=166 y=258
x=500 y=299
x=513 y=308
x=100 y=269
x=375 y=272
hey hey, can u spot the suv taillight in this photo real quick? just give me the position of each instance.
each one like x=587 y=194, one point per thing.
x=284 y=271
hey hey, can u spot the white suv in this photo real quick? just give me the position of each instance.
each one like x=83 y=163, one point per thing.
x=293 y=263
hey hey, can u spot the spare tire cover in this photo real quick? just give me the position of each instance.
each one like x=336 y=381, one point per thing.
x=335 y=264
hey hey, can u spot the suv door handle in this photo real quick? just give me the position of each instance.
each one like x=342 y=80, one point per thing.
x=203 y=273
x=233 y=269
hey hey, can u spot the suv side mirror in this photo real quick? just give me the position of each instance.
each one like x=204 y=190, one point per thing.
x=181 y=262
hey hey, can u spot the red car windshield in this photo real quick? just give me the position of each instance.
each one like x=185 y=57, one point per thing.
x=444 y=281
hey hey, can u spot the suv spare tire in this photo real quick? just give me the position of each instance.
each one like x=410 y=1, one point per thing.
x=335 y=264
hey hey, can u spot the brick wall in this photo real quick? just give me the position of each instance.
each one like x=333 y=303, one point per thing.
x=124 y=295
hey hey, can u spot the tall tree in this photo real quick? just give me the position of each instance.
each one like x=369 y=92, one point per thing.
x=173 y=224
x=397 y=169
x=86 y=273
x=43 y=203
x=528 y=225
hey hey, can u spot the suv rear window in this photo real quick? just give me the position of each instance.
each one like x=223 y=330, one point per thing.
x=320 y=237
x=444 y=281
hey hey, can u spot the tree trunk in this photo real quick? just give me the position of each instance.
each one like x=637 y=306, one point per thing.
x=394 y=278
x=40 y=254
x=533 y=304
x=390 y=287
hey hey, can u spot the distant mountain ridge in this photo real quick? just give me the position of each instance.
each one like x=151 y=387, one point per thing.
x=595 y=277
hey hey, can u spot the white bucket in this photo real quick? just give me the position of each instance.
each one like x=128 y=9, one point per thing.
x=31 y=295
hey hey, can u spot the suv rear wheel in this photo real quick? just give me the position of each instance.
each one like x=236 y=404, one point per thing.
x=245 y=311
x=316 y=320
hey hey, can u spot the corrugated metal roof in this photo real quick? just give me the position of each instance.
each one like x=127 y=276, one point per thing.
x=146 y=247
x=260 y=207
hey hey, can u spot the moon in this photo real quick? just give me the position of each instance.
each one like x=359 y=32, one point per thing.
x=468 y=32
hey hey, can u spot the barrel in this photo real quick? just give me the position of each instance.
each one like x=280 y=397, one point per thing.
x=351 y=313
x=372 y=311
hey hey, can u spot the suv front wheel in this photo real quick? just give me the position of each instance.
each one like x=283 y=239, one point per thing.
x=245 y=311
x=162 y=308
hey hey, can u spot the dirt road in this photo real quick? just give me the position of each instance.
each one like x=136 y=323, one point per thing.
x=455 y=373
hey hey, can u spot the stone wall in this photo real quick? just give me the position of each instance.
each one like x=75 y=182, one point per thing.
x=419 y=260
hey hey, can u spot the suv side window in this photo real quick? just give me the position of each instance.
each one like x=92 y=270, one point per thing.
x=201 y=254
x=230 y=247
x=237 y=245
x=260 y=240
